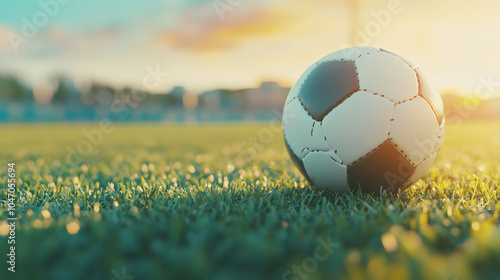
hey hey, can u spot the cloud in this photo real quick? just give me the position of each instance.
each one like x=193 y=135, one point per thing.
x=57 y=41
x=200 y=29
x=5 y=44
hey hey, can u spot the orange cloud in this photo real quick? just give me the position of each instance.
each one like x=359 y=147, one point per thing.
x=201 y=30
x=5 y=44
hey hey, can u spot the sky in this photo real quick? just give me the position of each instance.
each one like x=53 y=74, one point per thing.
x=210 y=44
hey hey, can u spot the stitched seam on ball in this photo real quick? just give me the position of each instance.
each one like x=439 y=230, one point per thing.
x=309 y=150
x=365 y=54
x=406 y=156
x=432 y=108
x=305 y=109
x=406 y=100
x=400 y=58
x=402 y=101
x=312 y=130
x=319 y=63
x=391 y=120
x=330 y=60
x=347 y=96
x=340 y=101
x=331 y=148
x=306 y=176
x=331 y=108
x=356 y=70
x=387 y=98
x=380 y=95
x=425 y=158
x=370 y=152
x=288 y=143
x=290 y=101
x=433 y=154
x=339 y=163
x=418 y=87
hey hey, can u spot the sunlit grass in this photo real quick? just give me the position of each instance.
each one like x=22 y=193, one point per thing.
x=215 y=202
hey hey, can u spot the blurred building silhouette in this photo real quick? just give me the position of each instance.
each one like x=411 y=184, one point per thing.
x=61 y=100
x=269 y=95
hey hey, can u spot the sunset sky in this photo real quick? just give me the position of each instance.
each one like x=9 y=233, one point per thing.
x=113 y=41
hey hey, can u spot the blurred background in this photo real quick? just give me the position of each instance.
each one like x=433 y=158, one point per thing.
x=227 y=60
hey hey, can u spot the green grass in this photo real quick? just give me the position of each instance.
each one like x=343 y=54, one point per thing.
x=202 y=202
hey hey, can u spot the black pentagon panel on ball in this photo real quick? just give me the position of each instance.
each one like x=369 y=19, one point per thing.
x=432 y=97
x=385 y=167
x=327 y=86
x=297 y=161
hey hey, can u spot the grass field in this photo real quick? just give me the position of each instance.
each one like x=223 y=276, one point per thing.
x=225 y=202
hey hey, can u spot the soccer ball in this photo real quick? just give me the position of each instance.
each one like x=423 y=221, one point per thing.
x=363 y=118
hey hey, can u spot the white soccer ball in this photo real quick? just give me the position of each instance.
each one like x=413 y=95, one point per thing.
x=363 y=118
